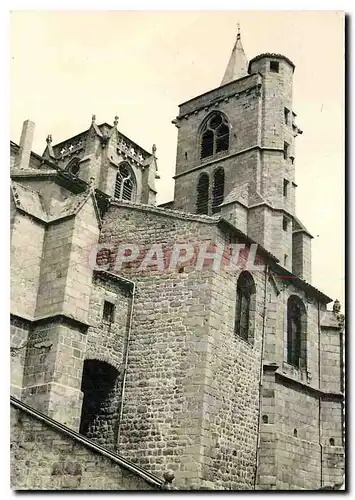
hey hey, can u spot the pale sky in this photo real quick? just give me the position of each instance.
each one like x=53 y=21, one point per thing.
x=67 y=66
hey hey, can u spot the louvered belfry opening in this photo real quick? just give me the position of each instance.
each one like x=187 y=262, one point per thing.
x=214 y=135
x=218 y=190
x=203 y=188
x=124 y=187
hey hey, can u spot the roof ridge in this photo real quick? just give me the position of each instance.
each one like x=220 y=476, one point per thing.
x=154 y=208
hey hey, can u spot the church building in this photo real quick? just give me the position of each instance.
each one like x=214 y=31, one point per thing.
x=141 y=359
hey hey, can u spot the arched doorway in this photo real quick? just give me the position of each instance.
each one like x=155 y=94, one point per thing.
x=99 y=415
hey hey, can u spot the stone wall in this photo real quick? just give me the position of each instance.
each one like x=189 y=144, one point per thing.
x=240 y=105
x=301 y=256
x=192 y=387
x=330 y=359
x=106 y=339
x=241 y=167
x=106 y=343
x=277 y=94
x=54 y=267
x=53 y=370
x=26 y=256
x=255 y=107
x=79 y=270
x=13 y=210
x=297 y=425
x=231 y=409
x=276 y=330
x=44 y=458
x=289 y=452
x=298 y=463
x=19 y=330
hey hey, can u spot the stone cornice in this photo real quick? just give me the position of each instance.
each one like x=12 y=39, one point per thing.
x=301 y=386
x=225 y=224
x=272 y=55
x=218 y=100
x=33 y=217
x=303 y=231
x=300 y=283
x=58 y=318
x=61 y=177
x=178 y=214
x=274 y=209
x=316 y=392
x=213 y=90
x=226 y=157
x=108 y=276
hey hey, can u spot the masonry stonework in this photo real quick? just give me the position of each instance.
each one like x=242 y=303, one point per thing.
x=123 y=344
x=42 y=458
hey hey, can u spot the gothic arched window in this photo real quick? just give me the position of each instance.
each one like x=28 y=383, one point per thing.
x=125 y=183
x=73 y=166
x=245 y=307
x=296 y=332
x=214 y=135
x=203 y=187
x=218 y=190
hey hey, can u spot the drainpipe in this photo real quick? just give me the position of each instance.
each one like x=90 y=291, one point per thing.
x=261 y=378
x=125 y=354
x=319 y=404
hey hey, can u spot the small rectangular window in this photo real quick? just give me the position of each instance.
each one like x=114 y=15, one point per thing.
x=108 y=315
x=286 y=115
x=274 y=66
x=285 y=259
x=286 y=150
x=284 y=223
x=285 y=190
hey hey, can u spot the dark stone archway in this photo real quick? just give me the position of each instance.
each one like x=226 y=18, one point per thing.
x=99 y=416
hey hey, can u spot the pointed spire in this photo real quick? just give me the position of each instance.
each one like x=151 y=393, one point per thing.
x=94 y=126
x=113 y=131
x=238 y=64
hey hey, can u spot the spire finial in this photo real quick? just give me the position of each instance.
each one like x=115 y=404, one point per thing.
x=49 y=139
x=93 y=119
x=154 y=149
x=237 y=65
x=115 y=121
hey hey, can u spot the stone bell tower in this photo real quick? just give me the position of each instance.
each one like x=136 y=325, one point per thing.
x=236 y=155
